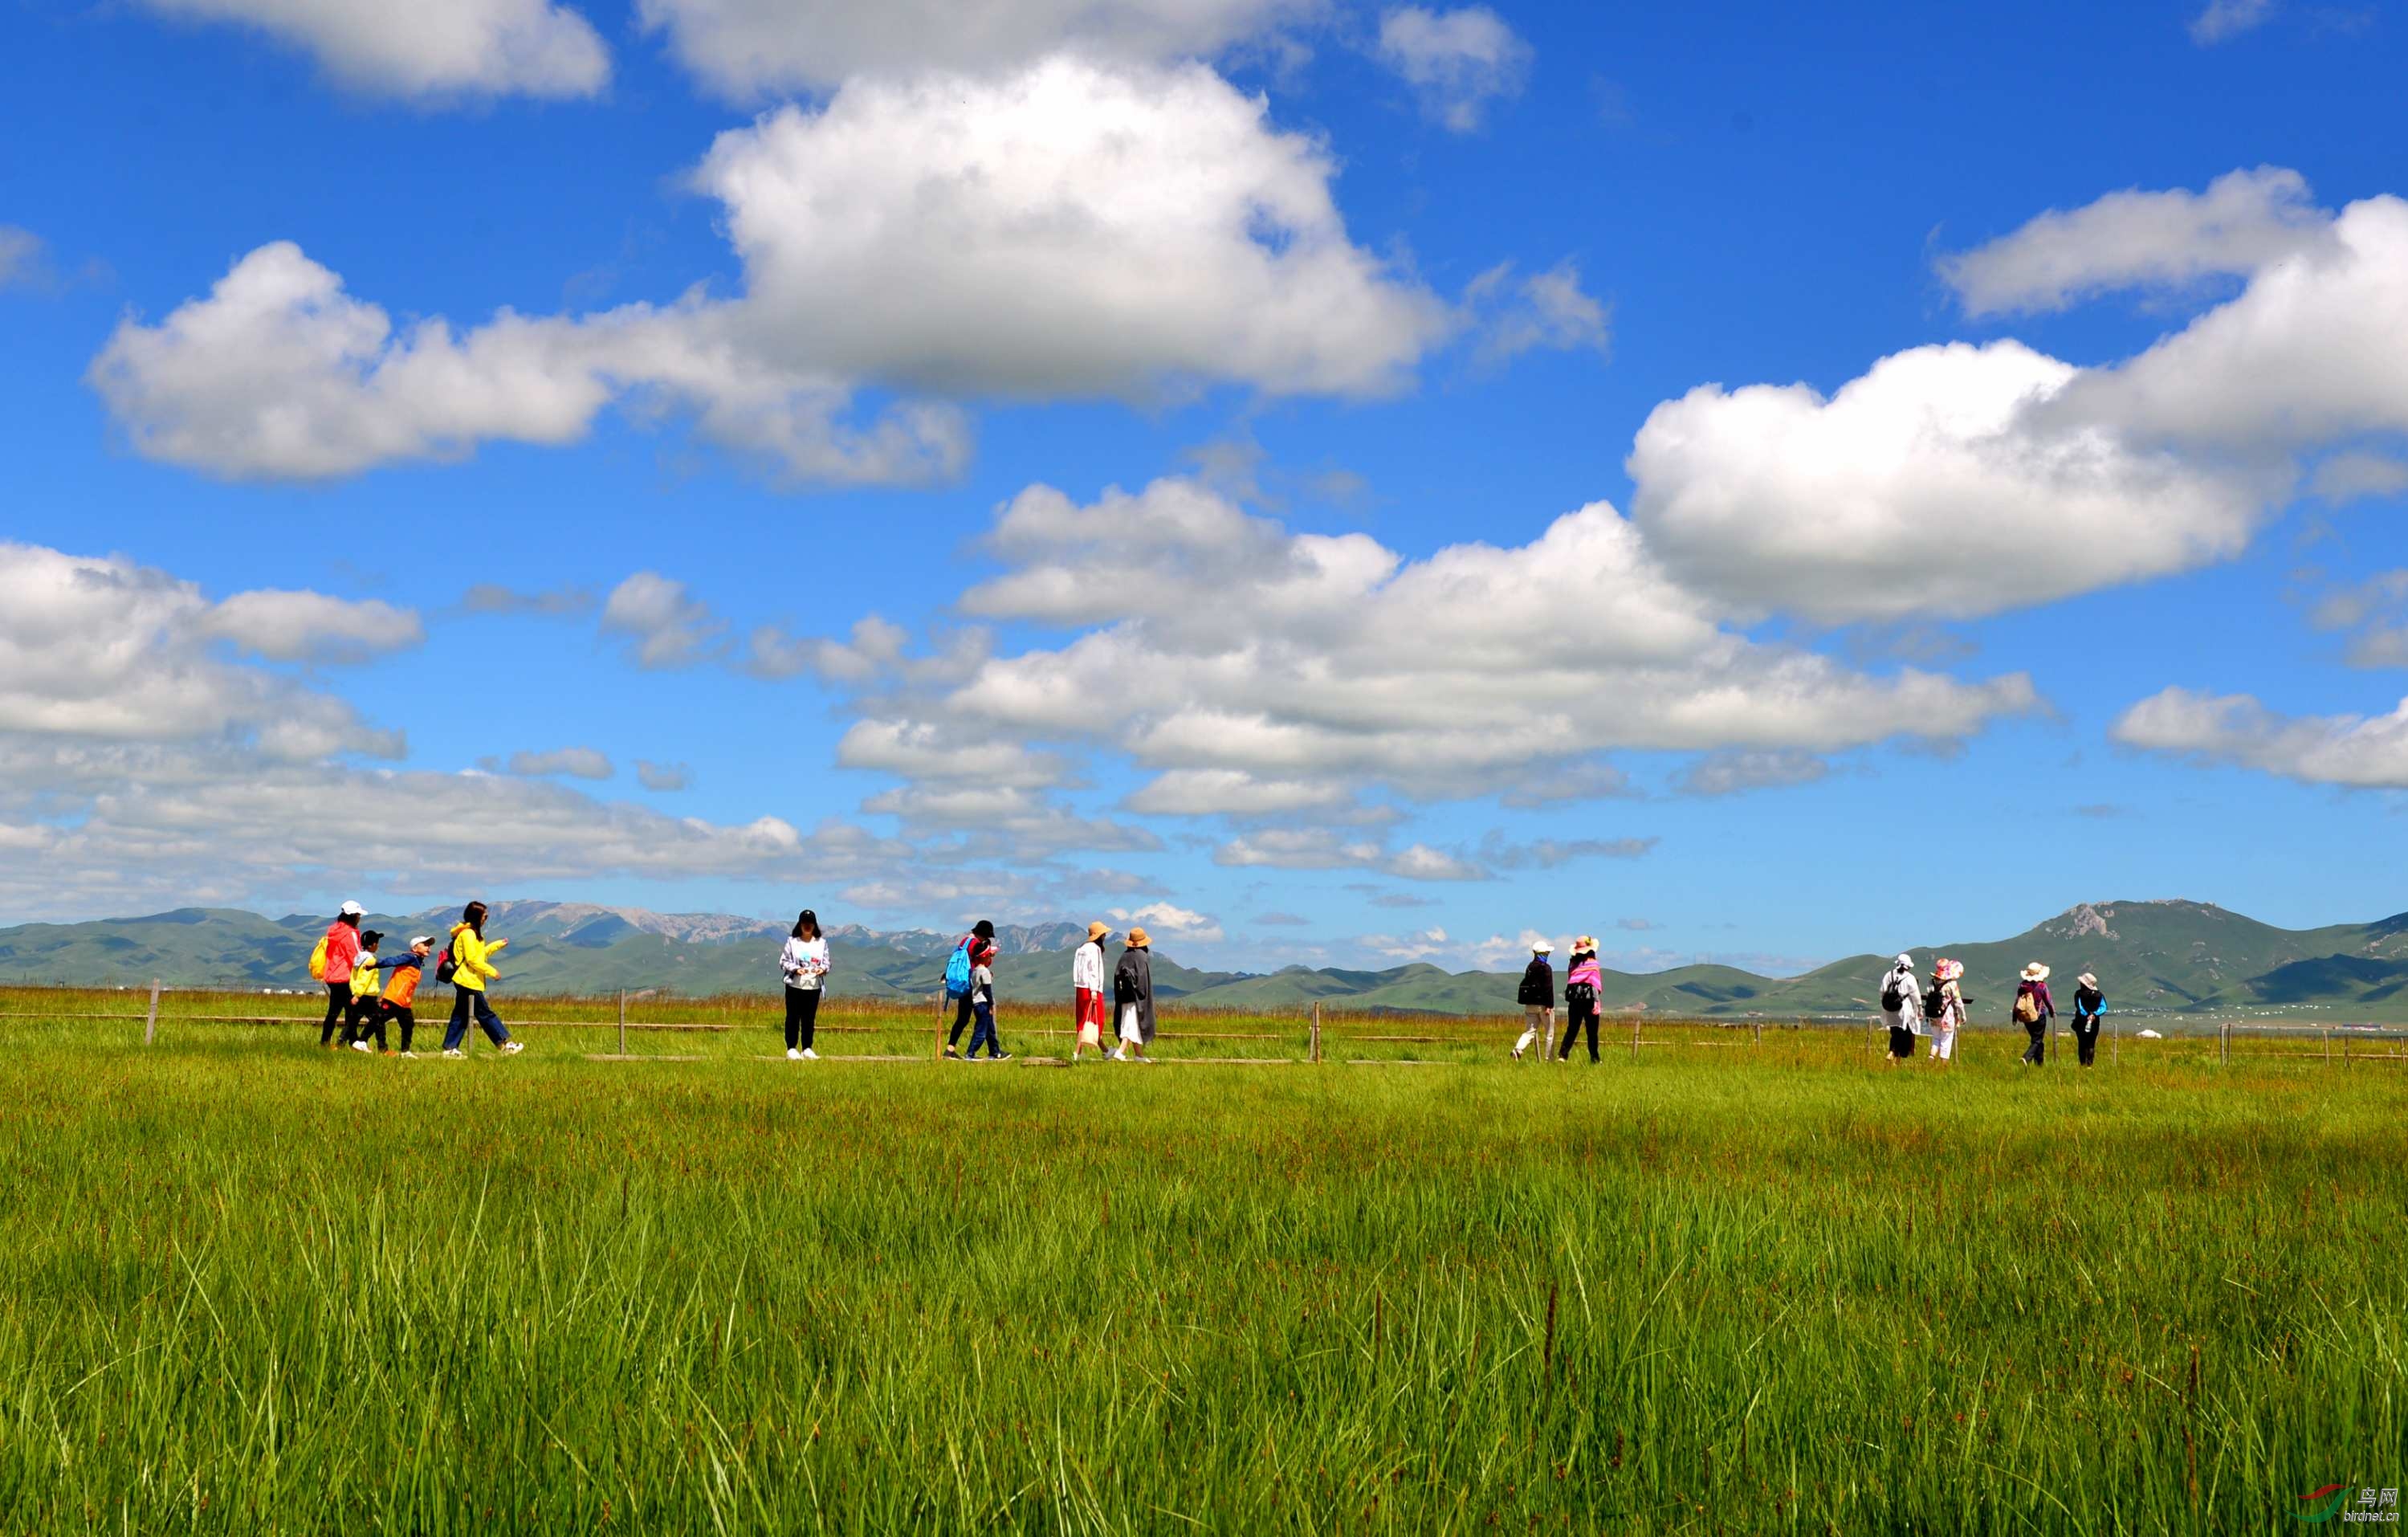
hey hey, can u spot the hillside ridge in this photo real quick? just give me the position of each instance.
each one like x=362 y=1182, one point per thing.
x=2157 y=956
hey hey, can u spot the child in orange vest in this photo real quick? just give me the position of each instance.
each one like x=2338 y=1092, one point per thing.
x=401 y=994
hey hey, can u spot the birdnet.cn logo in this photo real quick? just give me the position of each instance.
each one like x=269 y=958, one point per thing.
x=2348 y=1504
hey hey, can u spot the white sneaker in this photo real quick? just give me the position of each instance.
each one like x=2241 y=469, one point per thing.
x=454 y=1055
x=511 y=1048
x=810 y=1055
x=363 y=1046
x=793 y=1054
x=1118 y=1057
x=409 y=1057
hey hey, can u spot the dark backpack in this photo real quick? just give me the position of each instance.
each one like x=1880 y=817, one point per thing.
x=1894 y=996
x=1935 y=1002
x=445 y=966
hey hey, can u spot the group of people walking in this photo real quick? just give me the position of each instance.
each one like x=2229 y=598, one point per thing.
x=1940 y=1008
x=368 y=995
x=1911 y=1008
x=365 y=1003
x=970 y=990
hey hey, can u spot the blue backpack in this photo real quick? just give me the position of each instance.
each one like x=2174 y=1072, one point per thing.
x=957 y=971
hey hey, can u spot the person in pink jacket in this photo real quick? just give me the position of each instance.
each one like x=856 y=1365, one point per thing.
x=1582 y=984
x=342 y=949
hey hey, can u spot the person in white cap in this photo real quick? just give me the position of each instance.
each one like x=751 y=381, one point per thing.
x=336 y=954
x=1538 y=998
x=1902 y=1007
x=2033 y=1010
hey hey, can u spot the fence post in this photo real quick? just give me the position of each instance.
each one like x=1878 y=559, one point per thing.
x=151 y=1023
x=623 y=1022
x=1635 y=1019
x=937 y=1037
x=2115 y=1039
x=2328 y=1035
x=1316 y=1031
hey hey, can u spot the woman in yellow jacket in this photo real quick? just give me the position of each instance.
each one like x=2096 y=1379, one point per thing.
x=472 y=967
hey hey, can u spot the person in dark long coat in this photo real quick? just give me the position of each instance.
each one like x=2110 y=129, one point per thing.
x=1133 y=997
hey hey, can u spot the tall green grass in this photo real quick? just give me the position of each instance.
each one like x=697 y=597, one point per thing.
x=245 y=1284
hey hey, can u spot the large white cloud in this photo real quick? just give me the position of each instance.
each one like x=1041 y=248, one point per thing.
x=281 y=374
x=1922 y=487
x=2356 y=751
x=1071 y=229
x=144 y=762
x=746 y=48
x=429 y=48
x=2244 y=220
x=2313 y=350
x=103 y=649
x=1262 y=672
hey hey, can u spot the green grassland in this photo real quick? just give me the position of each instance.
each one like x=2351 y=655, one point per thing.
x=1715 y=1283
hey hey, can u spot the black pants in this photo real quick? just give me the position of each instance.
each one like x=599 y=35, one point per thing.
x=961 y=1018
x=1901 y=1042
x=339 y=1011
x=2037 y=1053
x=1581 y=1013
x=395 y=1013
x=2085 y=1037
x=802 y=1016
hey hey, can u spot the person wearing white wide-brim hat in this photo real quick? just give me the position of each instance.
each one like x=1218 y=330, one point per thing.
x=1902 y=1007
x=2033 y=1010
x=1538 y=996
x=2089 y=1007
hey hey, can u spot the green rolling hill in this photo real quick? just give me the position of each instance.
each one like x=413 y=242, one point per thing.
x=2156 y=958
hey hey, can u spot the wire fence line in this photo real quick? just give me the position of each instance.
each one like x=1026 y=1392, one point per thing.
x=1319 y=1033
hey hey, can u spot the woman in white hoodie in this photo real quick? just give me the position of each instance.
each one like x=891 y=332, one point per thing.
x=804 y=964
x=1948 y=976
x=1902 y=1007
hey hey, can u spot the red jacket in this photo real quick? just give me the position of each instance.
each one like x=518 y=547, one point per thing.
x=342 y=949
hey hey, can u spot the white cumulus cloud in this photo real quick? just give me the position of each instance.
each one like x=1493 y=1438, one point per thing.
x=306 y=627
x=1929 y=486
x=279 y=374
x=428 y=47
x=2244 y=222
x=1074 y=229
x=2356 y=751
x=1458 y=60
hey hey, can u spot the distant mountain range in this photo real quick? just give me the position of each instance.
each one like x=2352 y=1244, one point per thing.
x=2154 y=957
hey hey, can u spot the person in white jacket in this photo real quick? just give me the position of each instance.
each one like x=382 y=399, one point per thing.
x=1949 y=976
x=1089 y=1000
x=1902 y=1007
x=803 y=962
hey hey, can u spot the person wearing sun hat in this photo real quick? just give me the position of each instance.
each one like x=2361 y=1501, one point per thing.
x=1538 y=998
x=2089 y=1007
x=1132 y=997
x=1582 y=984
x=1902 y=1007
x=2033 y=1010
x=1087 y=1005
x=1943 y=1009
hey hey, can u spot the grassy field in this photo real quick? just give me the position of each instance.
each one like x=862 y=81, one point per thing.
x=1717 y=1286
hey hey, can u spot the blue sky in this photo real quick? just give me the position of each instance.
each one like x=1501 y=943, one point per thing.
x=415 y=429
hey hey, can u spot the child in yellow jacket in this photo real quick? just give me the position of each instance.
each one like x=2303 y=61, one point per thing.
x=472 y=967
